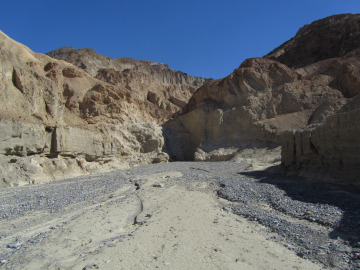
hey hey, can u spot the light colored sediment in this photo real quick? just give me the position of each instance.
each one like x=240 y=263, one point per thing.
x=161 y=225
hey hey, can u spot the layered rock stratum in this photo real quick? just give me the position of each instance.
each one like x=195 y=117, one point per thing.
x=59 y=120
x=306 y=81
x=327 y=150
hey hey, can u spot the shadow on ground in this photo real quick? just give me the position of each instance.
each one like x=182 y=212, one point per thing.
x=322 y=197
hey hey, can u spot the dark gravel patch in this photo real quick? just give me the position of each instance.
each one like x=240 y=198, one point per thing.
x=319 y=221
x=54 y=197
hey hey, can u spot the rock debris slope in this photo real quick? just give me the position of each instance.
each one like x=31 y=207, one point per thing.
x=59 y=120
x=289 y=89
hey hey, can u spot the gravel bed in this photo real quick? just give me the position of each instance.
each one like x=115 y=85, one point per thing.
x=55 y=196
x=320 y=222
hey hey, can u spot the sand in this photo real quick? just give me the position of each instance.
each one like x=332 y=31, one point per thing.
x=158 y=226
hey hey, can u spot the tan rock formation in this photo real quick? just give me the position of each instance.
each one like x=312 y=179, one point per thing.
x=57 y=120
x=255 y=104
x=158 y=90
x=94 y=113
x=264 y=98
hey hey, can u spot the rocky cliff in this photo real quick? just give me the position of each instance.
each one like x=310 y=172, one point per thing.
x=58 y=120
x=265 y=97
x=328 y=148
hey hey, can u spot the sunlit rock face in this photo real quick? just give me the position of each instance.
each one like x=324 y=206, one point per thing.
x=267 y=97
x=59 y=120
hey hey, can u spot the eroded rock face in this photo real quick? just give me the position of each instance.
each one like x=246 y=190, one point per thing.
x=93 y=113
x=20 y=139
x=330 y=148
x=254 y=105
x=264 y=98
x=59 y=120
x=158 y=90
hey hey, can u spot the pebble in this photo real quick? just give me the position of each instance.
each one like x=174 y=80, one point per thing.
x=158 y=185
x=227 y=209
x=17 y=245
x=91 y=266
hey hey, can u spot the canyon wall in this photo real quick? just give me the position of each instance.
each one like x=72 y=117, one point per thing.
x=159 y=90
x=266 y=97
x=74 y=111
x=328 y=151
x=58 y=120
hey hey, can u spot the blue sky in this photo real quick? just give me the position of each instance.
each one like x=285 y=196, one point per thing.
x=203 y=38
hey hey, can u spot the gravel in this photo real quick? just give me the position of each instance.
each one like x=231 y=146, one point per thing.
x=318 y=221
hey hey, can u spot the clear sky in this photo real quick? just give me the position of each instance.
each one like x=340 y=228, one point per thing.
x=202 y=38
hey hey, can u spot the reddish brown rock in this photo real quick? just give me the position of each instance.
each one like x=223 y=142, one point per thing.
x=331 y=37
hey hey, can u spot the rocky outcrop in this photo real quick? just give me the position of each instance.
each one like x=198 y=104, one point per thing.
x=330 y=148
x=20 y=139
x=57 y=120
x=263 y=98
x=331 y=37
x=158 y=90
x=252 y=106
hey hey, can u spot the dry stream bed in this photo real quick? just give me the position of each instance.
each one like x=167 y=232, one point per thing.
x=180 y=216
